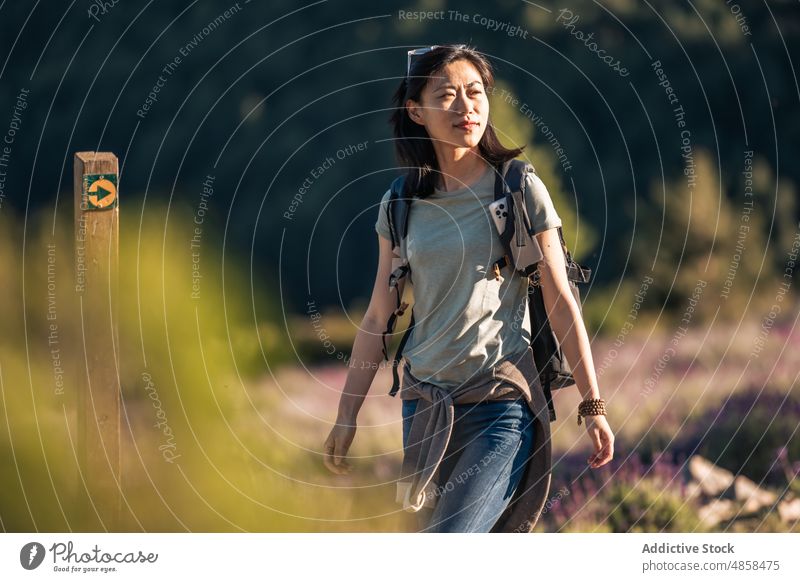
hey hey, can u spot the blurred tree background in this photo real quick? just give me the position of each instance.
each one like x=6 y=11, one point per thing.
x=679 y=171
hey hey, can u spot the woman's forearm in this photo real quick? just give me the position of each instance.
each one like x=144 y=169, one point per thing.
x=567 y=324
x=364 y=362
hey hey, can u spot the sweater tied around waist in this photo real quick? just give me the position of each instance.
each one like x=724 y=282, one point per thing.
x=432 y=425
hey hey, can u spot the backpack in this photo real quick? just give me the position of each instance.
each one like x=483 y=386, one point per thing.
x=510 y=183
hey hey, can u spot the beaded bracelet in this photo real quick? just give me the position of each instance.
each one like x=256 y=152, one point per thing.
x=591 y=407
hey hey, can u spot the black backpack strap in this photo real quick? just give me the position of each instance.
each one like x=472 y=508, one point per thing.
x=551 y=409
x=575 y=272
x=394 y=279
x=398 y=355
x=509 y=179
x=516 y=178
x=398 y=210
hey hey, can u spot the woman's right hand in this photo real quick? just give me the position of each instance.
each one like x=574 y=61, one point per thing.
x=337 y=444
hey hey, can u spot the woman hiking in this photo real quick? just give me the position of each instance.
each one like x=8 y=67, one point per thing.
x=476 y=432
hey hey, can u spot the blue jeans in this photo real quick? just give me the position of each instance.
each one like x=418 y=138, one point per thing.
x=482 y=466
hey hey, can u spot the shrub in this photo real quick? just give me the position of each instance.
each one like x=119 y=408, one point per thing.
x=625 y=495
x=744 y=434
x=645 y=507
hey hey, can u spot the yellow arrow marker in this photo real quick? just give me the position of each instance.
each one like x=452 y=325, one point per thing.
x=101 y=193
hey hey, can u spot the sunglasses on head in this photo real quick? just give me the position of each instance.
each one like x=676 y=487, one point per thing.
x=413 y=55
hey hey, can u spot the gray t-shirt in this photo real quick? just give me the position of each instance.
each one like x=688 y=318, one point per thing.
x=465 y=320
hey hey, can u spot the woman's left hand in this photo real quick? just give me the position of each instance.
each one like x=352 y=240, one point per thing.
x=602 y=439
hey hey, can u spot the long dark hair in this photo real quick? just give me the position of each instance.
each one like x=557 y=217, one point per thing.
x=413 y=146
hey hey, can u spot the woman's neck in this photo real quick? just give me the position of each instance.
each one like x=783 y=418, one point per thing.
x=459 y=168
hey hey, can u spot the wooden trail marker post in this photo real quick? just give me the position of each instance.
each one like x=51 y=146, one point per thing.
x=97 y=362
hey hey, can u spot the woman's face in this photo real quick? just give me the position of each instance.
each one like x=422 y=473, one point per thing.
x=450 y=98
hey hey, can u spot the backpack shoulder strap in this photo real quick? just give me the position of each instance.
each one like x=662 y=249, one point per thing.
x=511 y=177
x=398 y=209
x=510 y=184
x=512 y=181
x=515 y=174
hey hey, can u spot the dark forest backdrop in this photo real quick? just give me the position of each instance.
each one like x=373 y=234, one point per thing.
x=263 y=96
